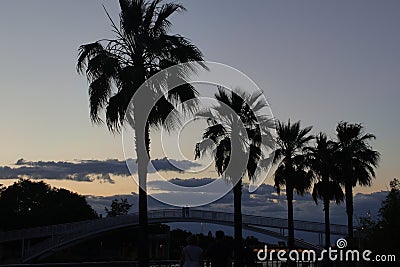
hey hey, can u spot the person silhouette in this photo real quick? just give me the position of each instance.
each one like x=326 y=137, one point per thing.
x=192 y=255
x=218 y=252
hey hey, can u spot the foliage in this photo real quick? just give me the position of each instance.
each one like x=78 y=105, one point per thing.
x=118 y=207
x=390 y=210
x=28 y=204
x=323 y=166
x=237 y=119
x=383 y=236
x=292 y=144
x=356 y=158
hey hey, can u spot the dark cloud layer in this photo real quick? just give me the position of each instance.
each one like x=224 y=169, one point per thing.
x=85 y=170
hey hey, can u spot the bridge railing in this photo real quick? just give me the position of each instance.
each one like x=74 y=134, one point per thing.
x=158 y=263
x=57 y=229
x=85 y=228
x=65 y=233
x=68 y=228
x=265 y=221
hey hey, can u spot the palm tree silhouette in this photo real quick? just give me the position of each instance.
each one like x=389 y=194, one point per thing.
x=323 y=165
x=238 y=131
x=292 y=172
x=356 y=160
x=116 y=68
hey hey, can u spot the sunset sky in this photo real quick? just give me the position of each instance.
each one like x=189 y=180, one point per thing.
x=317 y=61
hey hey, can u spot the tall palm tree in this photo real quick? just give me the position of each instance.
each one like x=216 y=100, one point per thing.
x=238 y=131
x=292 y=173
x=116 y=68
x=322 y=163
x=356 y=160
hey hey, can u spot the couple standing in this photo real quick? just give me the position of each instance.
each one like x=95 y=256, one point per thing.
x=218 y=253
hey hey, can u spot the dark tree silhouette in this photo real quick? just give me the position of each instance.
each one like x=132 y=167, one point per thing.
x=236 y=129
x=322 y=163
x=27 y=204
x=356 y=160
x=383 y=236
x=291 y=173
x=118 y=207
x=389 y=212
x=116 y=68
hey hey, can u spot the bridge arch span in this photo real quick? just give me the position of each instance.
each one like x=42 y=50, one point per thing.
x=62 y=236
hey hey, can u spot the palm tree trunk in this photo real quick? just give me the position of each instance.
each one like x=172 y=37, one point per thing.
x=349 y=209
x=237 y=205
x=143 y=159
x=291 y=245
x=289 y=195
x=327 y=224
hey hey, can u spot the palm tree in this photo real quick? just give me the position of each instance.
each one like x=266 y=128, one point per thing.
x=116 y=68
x=292 y=173
x=356 y=160
x=322 y=163
x=238 y=131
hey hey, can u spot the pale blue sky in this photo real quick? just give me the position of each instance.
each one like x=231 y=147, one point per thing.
x=317 y=61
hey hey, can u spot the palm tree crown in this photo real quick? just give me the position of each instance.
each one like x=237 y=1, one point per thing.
x=292 y=144
x=236 y=121
x=357 y=158
x=115 y=68
x=322 y=161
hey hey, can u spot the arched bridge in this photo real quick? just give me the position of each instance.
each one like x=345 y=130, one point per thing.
x=57 y=237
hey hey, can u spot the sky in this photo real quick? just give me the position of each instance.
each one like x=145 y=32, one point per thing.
x=320 y=62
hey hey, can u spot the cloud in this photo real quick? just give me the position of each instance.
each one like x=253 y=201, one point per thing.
x=166 y=164
x=181 y=186
x=86 y=170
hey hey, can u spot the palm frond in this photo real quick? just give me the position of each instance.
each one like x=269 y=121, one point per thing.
x=222 y=155
x=328 y=190
x=86 y=52
x=162 y=24
x=215 y=132
x=150 y=13
x=99 y=92
x=102 y=64
x=163 y=115
x=255 y=155
x=131 y=15
x=203 y=147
